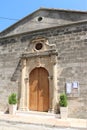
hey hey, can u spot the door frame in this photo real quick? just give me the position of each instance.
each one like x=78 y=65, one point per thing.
x=28 y=64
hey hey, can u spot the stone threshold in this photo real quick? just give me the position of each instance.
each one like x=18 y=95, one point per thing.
x=37 y=113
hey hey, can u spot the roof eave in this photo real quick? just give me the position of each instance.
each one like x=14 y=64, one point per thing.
x=65 y=25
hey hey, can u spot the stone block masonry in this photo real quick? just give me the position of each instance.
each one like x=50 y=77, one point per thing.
x=71 y=43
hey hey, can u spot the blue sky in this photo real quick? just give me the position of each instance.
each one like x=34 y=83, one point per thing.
x=17 y=9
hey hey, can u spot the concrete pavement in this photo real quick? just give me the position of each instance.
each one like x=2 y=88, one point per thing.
x=21 y=126
x=46 y=119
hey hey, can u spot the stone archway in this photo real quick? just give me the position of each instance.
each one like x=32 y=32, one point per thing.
x=39 y=90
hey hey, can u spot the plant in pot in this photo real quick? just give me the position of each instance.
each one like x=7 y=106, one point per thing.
x=63 y=106
x=12 y=100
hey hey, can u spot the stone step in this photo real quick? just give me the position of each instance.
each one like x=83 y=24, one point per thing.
x=36 y=113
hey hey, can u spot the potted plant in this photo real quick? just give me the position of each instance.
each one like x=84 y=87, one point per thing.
x=63 y=106
x=12 y=99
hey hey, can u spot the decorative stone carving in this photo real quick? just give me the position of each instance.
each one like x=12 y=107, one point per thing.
x=46 y=57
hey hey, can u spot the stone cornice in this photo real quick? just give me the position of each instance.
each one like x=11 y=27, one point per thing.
x=39 y=54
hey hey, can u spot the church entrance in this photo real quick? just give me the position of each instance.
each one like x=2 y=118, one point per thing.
x=39 y=87
x=39 y=90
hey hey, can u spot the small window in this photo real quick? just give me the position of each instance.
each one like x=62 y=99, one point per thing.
x=40 y=19
x=38 y=46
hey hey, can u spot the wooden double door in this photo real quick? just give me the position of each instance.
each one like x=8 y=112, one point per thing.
x=39 y=90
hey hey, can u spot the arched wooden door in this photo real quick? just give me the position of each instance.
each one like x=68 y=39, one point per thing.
x=39 y=90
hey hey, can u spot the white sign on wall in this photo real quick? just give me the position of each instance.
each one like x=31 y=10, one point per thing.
x=75 y=84
x=68 y=88
x=72 y=89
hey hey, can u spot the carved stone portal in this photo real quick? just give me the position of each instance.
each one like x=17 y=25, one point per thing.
x=42 y=55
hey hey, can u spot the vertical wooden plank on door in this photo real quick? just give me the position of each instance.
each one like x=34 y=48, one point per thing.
x=33 y=90
x=40 y=90
x=43 y=90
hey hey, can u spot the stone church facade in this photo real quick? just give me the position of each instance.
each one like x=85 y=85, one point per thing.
x=43 y=55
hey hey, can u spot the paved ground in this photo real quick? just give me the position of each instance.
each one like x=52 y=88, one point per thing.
x=19 y=126
x=40 y=121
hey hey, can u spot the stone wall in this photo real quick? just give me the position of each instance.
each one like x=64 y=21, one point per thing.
x=10 y=52
x=71 y=42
